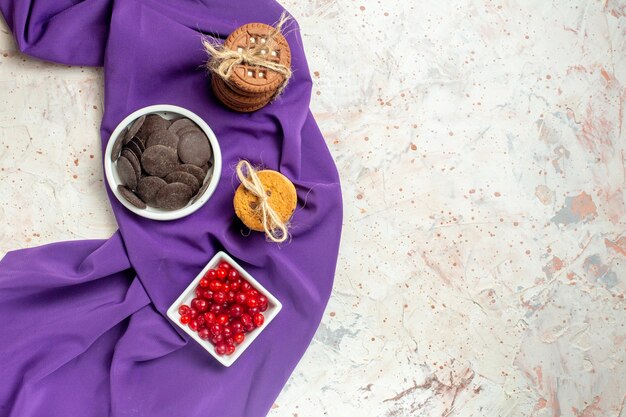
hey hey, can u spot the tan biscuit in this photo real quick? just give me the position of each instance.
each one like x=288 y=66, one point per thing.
x=282 y=198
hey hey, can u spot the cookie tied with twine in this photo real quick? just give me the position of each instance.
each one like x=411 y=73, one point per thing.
x=252 y=67
x=265 y=201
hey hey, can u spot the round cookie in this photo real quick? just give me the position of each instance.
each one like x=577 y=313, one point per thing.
x=252 y=79
x=282 y=198
x=235 y=101
x=242 y=99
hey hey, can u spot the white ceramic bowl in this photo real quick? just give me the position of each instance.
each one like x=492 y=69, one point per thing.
x=189 y=294
x=167 y=111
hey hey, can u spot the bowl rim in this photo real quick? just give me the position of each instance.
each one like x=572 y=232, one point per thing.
x=213 y=182
x=271 y=313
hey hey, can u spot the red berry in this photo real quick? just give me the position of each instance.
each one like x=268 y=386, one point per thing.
x=236 y=327
x=248 y=327
x=215 y=339
x=252 y=302
x=183 y=310
x=239 y=338
x=185 y=319
x=209 y=317
x=193 y=324
x=204 y=333
x=198 y=291
x=235 y=285
x=221 y=273
x=230 y=296
x=253 y=310
x=246 y=319
x=245 y=286
x=222 y=318
x=215 y=285
x=240 y=298
x=236 y=310
x=216 y=308
x=224 y=265
x=207 y=294
x=262 y=300
x=193 y=313
x=204 y=283
x=220 y=349
x=227 y=332
x=215 y=329
x=252 y=293
x=211 y=274
x=258 y=319
x=219 y=297
x=226 y=287
x=230 y=349
x=200 y=304
x=200 y=319
x=233 y=274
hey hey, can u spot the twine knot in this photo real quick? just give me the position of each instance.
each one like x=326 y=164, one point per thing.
x=223 y=61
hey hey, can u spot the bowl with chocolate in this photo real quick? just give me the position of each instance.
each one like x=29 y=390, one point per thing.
x=163 y=162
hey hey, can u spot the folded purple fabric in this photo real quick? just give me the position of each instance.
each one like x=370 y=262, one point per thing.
x=83 y=331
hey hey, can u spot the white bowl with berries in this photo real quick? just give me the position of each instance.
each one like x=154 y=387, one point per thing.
x=224 y=309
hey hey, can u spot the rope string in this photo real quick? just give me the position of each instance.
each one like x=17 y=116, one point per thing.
x=275 y=228
x=223 y=61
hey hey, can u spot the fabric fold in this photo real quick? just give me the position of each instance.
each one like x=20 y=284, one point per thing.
x=61 y=303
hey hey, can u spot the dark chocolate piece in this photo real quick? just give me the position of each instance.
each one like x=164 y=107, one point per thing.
x=194 y=148
x=159 y=160
x=131 y=197
x=185 y=178
x=163 y=137
x=173 y=196
x=148 y=187
x=126 y=172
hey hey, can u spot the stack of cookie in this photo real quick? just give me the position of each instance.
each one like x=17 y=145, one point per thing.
x=252 y=87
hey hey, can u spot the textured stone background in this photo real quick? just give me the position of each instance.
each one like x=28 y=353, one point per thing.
x=481 y=148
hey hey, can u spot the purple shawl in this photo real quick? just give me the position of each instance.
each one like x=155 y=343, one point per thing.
x=83 y=331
